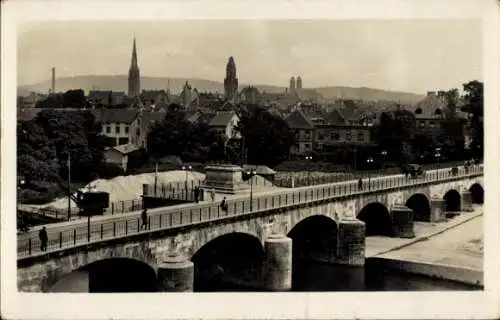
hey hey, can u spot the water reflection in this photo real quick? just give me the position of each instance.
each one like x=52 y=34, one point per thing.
x=374 y=276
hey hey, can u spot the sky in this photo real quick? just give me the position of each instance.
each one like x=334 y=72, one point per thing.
x=400 y=55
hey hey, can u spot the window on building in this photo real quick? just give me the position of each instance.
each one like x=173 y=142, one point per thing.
x=418 y=111
x=126 y=129
x=108 y=129
x=336 y=136
x=138 y=132
x=422 y=124
x=122 y=141
x=361 y=136
x=431 y=124
x=307 y=134
x=307 y=146
x=117 y=129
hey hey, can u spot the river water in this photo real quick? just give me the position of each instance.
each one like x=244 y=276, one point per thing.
x=317 y=276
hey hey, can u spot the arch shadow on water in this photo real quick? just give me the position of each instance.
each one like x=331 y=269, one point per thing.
x=477 y=193
x=453 y=201
x=421 y=207
x=228 y=263
x=109 y=275
x=313 y=239
x=377 y=220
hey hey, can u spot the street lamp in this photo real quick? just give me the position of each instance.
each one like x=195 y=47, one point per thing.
x=250 y=174
x=187 y=169
x=437 y=155
x=309 y=158
x=384 y=158
x=369 y=161
x=21 y=183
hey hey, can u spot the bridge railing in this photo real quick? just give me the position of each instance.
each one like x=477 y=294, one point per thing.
x=69 y=236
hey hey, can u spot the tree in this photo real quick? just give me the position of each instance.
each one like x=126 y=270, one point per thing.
x=395 y=133
x=74 y=99
x=451 y=138
x=474 y=106
x=267 y=137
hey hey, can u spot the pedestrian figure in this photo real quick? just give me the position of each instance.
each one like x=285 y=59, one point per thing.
x=360 y=184
x=43 y=239
x=196 y=194
x=144 y=218
x=223 y=205
x=24 y=224
x=212 y=194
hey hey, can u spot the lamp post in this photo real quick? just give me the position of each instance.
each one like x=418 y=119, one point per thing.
x=69 y=185
x=437 y=154
x=384 y=158
x=369 y=161
x=251 y=173
x=309 y=158
x=187 y=169
x=19 y=187
x=156 y=176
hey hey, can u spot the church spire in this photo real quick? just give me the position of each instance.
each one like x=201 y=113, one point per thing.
x=134 y=77
x=231 y=81
x=134 y=57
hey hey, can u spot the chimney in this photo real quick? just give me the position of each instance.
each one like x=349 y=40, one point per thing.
x=53 y=87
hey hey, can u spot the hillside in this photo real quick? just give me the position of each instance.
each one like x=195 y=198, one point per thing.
x=119 y=83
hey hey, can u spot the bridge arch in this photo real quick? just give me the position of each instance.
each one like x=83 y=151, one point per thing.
x=477 y=193
x=108 y=275
x=453 y=201
x=229 y=258
x=421 y=207
x=377 y=219
x=314 y=234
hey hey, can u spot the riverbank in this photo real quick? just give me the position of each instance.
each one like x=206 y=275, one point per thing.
x=451 y=251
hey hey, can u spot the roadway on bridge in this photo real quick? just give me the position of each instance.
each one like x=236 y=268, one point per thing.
x=132 y=218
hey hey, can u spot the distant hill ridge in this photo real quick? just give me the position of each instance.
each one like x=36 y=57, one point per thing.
x=119 y=83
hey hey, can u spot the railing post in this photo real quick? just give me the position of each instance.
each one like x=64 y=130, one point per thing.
x=112 y=208
x=29 y=246
x=74 y=237
x=138 y=224
x=170 y=219
x=149 y=223
x=114 y=229
x=126 y=227
x=60 y=239
x=159 y=222
x=102 y=231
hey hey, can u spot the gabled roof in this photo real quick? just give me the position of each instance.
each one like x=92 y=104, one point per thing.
x=124 y=148
x=335 y=117
x=221 y=119
x=427 y=107
x=297 y=120
x=116 y=115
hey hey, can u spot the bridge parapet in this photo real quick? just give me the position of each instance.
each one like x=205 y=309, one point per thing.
x=162 y=219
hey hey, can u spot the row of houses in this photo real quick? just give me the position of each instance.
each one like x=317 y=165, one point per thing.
x=325 y=129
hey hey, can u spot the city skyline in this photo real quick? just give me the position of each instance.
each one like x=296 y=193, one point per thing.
x=390 y=54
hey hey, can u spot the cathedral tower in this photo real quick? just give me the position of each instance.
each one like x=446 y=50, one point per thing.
x=299 y=83
x=231 y=81
x=134 y=77
x=291 y=89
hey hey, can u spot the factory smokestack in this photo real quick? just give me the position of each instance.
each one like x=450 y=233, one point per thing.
x=53 y=87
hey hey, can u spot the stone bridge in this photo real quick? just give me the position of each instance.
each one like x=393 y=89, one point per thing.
x=254 y=248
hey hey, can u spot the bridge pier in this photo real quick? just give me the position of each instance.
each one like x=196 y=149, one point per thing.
x=438 y=210
x=351 y=243
x=467 y=201
x=176 y=274
x=402 y=222
x=277 y=266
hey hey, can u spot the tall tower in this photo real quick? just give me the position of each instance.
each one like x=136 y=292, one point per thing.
x=231 y=81
x=292 y=85
x=134 y=77
x=299 y=83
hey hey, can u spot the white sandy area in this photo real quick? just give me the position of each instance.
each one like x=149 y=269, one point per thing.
x=129 y=187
